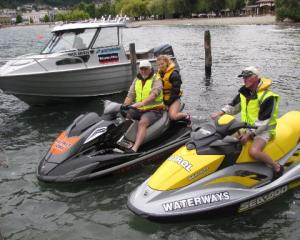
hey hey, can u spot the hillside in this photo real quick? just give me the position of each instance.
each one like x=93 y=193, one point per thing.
x=16 y=3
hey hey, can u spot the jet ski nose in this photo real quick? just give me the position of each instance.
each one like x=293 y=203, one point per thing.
x=46 y=167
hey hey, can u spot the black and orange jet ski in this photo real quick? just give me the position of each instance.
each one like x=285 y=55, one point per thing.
x=94 y=146
x=213 y=174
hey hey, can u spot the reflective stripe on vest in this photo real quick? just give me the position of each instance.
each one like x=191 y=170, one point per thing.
x=250 y=110
x=142 y=92
x=167 y=85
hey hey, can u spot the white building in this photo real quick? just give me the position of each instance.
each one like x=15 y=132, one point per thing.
x=36 y=17
x=7 y=16
x=8 y=12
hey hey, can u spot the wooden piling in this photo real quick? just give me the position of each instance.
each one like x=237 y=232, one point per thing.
x=133 y=59
x=208 y=57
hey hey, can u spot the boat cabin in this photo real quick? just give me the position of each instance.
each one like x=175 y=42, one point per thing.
x=85 y=39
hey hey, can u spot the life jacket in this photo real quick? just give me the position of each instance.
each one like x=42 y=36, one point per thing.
x=167 y=85
x=142 y=92
x=250 y=109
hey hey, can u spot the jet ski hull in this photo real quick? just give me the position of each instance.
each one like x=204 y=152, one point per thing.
x=88 y=167
x=214 y=175
x=209 y=203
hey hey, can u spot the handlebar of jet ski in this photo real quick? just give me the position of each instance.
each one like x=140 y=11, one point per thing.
x=127 y=107
x=135 y=113
x=250 y=126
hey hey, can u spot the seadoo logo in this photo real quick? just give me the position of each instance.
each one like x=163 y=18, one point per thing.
x=185 y=164
x=196 y=201
x=262 y=199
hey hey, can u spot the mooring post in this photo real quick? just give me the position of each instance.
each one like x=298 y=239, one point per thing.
x=132 y=59
x=208 y=58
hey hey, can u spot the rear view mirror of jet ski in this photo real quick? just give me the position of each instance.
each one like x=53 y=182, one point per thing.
x=94 y=146
x=214 y=173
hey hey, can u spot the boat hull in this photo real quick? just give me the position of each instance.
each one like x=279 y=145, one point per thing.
x=67 y=85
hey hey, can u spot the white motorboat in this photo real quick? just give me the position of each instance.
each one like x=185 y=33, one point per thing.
x=81 y=60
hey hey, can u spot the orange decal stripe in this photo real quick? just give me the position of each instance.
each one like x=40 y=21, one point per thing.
x=63 y=143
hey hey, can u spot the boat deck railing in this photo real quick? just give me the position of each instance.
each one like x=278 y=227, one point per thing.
x=38 y=59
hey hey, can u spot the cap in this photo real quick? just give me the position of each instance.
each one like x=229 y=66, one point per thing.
x=249 y=71
x=145 y=64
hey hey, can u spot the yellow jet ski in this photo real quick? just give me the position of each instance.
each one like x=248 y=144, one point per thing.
x=213 y=173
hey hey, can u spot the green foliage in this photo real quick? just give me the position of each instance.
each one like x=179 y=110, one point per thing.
x=85 y=11
x=288 y=9
x=105 y=9
x=91 y=10
x=60 y=17
x=201 y=6
x=134 y=8
x=163 y=8
x=46 y=19
x=19 y=19
x=179 y=8
x=204 y=6
x=234 y=4
x=74 y=15
x=216 y=5
x=157 y=7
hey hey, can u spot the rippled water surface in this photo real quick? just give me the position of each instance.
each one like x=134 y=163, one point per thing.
x=97 y=210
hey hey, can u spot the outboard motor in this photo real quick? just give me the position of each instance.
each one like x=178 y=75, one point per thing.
x=165 y=49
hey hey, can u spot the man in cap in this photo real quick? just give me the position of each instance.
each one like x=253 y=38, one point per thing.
x=145 y=94
x=258 y=107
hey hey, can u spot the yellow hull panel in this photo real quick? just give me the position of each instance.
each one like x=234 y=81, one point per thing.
x=185 y=165
x=287 y=136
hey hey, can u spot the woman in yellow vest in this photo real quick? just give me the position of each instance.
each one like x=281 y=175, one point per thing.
x=145 y=94
x=258 y=107
x=171 y=87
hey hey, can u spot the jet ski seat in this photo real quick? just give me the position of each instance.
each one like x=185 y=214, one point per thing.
x=287 y=133
x=287 y=137
x=153 y=131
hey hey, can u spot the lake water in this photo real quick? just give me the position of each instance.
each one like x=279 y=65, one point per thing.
x=97 y=210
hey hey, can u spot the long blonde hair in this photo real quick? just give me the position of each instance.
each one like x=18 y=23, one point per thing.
x=165 y=58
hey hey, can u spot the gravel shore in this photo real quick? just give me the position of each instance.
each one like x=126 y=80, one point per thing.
x=264 y=20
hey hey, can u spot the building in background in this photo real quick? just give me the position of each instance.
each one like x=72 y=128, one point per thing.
x=34 y=17
x=7 y=16
x=266 y=6
x=261 y=7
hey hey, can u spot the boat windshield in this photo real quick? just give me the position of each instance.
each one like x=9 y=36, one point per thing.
x=107 y=37
x=70 y=40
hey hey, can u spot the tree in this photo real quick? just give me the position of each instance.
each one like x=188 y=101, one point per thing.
x=134 y=8
x=216 y=5
x=77 y=15
x=19 y=19
x=202 y=6
x=72 y=16
x=156 y=7
x=179 y=8
x=60 y=17
x=234 y=4
x=288 y=9
x=104 y=9
x=46 y=19
x=91 y=10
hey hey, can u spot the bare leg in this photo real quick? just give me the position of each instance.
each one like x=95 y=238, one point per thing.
x=174 y=113
x=256 y=151
x=141 y=132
